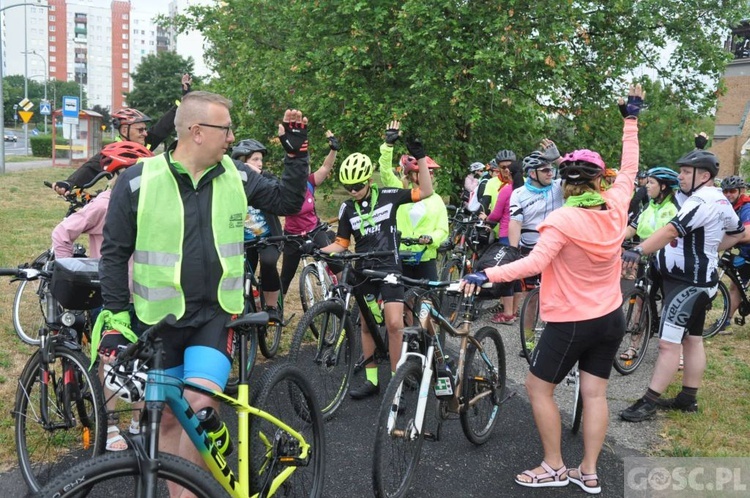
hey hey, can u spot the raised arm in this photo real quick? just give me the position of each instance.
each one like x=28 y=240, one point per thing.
x=322 y=173
x=385 y=162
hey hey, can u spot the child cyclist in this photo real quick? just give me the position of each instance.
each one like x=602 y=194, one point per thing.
x=370 y=217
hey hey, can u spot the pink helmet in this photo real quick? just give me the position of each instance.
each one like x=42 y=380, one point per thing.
x=581 y=166
x=409 y=163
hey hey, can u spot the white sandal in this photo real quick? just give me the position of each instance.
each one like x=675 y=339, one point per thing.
x=135 y=427
x=112 y=441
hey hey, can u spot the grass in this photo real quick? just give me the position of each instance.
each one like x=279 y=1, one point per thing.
x=25 y=159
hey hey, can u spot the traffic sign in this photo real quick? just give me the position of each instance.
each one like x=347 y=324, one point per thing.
x=45 y=109
x=26 y=104
x=25 y=115
x=70 y=109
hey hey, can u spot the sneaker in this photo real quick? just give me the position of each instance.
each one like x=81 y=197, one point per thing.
x=641 y=410
x=273 y=314
x=725 y=329
x=504 y=319
x=365 y=390
x=678 y=403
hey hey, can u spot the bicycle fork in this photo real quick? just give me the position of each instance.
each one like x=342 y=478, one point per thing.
x=413 y=430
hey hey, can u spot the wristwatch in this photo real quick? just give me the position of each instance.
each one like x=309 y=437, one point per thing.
x=638 y=249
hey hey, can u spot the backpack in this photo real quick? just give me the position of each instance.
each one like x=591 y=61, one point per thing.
x=474 y=205
x=497 y=254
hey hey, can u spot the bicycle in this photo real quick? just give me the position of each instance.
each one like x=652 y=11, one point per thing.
x=532 y=327
x=720 y=302
x=332 y=326
x=316 y=278
x=473 y=390
x=280 y=444
x=59 y=412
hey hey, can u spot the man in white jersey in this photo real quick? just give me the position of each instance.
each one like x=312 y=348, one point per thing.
x=687 y=258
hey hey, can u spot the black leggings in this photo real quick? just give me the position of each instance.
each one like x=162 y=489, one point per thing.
x=269 y=275
x=292 y=255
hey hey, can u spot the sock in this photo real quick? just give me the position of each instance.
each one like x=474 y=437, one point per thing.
x=651 y=395
x=372 y=375
x=688 y=393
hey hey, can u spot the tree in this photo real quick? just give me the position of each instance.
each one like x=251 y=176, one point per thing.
x=156 y=82
x=106 y=117
x=13 y=92
x=470 y=77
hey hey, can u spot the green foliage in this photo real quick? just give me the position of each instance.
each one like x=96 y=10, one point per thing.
x=106 y=117
x=157 y=82
x=41 y=145
x=469 y=77
x=13 y=92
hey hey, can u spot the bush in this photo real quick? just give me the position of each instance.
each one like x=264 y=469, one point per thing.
x=41 y=146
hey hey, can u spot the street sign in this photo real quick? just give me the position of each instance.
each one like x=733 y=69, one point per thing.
x=25 y=115
x=70 y=109
x=26 y=104
x=45 y=109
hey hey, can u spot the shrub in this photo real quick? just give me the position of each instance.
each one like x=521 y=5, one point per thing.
x=41 y=146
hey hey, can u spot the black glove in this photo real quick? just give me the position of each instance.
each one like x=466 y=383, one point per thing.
x=427 y=238
x=112 y=343
x=333 y=143
x=631 y=256
x=294 y=139
x=632 y=107
x=701 y=141
x=415 y=148
x=307 y=247
x=391 y=136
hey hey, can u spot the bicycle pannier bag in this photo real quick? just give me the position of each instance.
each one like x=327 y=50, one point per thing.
x=75 y=283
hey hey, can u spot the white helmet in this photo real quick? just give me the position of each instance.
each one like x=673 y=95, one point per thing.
x=474 y=167
x=126 y=380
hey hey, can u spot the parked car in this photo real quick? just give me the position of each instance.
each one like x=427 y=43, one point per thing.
x=10 y=137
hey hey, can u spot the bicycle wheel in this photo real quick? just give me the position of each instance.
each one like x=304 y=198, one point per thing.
x=286 y=394
x=252 y=348
x=531 y=324
x=575 y=423
x=397 y=445
x=634 y=343
x=717 y=312
x=483 y=385
x=75 y=427
x=117 y=474
x=449 y=304
x=269 y=337
x=29 y=310
x=323 y=348
x=311 y=289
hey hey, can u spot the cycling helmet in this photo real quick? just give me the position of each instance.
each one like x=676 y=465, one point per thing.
x=581 y=166
x=664 y=176
x=534 y=160
x=474 y=167
x=355 y=169
x=245 y=148
x=733 y=182
x=118 y=155
x=126 y=380
x=701 y=159
x=493 y=166
x=642 y=175
x=409 y=163
x=128 y=116
x=505 y=155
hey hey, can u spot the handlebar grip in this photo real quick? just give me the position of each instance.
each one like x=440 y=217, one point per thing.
x=9 y=272
x=170 y=319
x=47 y=184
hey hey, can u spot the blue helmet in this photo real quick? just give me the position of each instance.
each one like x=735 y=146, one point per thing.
x=664 y=175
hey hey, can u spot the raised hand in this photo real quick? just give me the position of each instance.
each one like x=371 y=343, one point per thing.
x=333 y=142
x=634 y=104
x=293 y=133
x=392 y=132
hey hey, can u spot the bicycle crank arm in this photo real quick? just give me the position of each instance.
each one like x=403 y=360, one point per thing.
x=511 y=395
x=286 y=322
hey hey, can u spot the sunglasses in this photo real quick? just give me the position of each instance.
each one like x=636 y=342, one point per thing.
x=546 y=171
x=355 y=187
x=730 y=190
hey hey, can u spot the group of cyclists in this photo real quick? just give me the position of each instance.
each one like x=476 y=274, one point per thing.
x=181 y=251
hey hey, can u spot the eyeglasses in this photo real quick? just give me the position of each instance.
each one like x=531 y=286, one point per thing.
x=504 y=167
x=546 y=171
x=355 y=187
x=730 y=190
x=227 y=129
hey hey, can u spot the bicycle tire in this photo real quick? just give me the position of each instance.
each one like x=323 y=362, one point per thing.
x=285 y=392
x=269 y=337
x=44 y=453
x=531 y=325
x=313 y=350
x=637 y=331
x=114 y=474
x=311 y=289
x=717 y=312
x=478 y=419
x=449 y=304
x=396 y=454
x=577 y=414
x=29 y=312
x=252 y=348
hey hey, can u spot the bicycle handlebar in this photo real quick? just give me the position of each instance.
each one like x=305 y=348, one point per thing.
x=23 y=273
x=396 y=278
x=353 y=256
x=130 y=351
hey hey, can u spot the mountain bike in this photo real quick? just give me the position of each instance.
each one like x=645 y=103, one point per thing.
x=280 y=444
x=717 y=315
x=473 y=389
x=325 y=341
x=316 y=278
x=59 y=412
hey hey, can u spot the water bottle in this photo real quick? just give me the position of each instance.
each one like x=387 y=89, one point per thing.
x=216 y=430
x=372 y=303
x=256 y=297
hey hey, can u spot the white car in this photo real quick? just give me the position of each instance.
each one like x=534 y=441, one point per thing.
x=10 y=137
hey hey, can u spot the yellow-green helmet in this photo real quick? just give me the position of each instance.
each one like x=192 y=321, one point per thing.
x=355 y=169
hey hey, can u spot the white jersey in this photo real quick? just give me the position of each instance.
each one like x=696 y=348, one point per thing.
x=701 y=222
x=531 y=208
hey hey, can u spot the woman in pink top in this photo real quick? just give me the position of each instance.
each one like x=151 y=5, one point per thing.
x=578 y=255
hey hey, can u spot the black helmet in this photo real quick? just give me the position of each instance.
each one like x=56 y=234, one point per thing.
x=733 y=182
x=505 y=155
x=642 y=175
x=534 y=160
x=247 y=147
x=701 y=159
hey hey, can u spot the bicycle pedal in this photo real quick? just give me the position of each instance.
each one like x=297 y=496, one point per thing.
x=432 y=437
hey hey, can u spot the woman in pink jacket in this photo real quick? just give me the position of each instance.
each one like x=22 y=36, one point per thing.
x=584 y=318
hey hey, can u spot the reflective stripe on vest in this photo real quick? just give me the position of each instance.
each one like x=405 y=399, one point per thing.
x=157 y=260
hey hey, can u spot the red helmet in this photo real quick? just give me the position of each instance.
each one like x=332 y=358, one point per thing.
x=119 y=155
x=128 y=116
x=409 y=163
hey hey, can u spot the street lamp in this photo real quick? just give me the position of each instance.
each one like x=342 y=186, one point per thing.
x=46 y=77
x=2 y=100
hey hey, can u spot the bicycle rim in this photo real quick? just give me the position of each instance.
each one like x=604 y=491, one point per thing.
x=531 y=324
x=311 y=289
x=323 y=348
x=634 y=343
x=717 y=312
x=117 y=474
x=29 y=310
x=397 y=445
x=76 y=420
x=483 y=385
x=269 y=337
x=285 y=393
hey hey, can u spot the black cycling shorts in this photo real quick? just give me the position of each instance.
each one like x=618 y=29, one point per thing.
x=592 y=343
x=684 y=310
x=388 y=292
